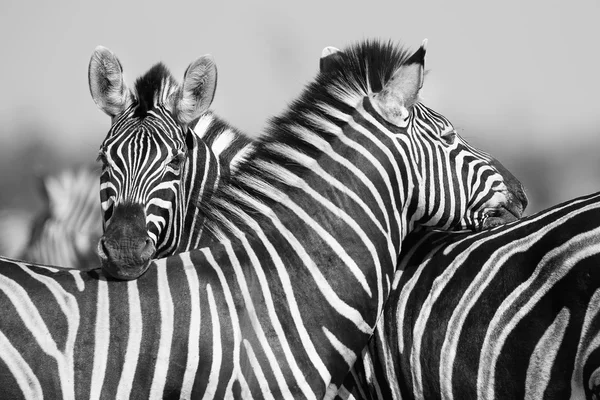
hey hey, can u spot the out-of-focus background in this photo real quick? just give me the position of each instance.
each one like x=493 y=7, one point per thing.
x=519 y=79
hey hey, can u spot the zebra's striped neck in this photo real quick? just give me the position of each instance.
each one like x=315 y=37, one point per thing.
x=290 y=155
x=215 y=150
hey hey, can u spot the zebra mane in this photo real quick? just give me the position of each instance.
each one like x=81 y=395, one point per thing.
x=293 y=141
x=152 y=88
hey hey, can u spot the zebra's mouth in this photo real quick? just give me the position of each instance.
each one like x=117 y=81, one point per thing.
x=125 y=264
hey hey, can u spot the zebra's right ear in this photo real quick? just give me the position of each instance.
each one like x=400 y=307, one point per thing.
x=401 y=91
x=197 y=91
x=329 y=56
x=107 y=86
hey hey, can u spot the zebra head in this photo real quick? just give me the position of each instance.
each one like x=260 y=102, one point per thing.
x=483 y=193
x=144 y=157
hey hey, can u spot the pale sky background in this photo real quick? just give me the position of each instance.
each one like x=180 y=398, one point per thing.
x=519 y=79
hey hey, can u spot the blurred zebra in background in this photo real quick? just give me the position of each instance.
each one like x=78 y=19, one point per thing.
x=66 y=230
x=65 y=233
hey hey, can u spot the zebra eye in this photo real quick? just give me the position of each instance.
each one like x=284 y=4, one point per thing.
x=177 y=161
x=449 y=137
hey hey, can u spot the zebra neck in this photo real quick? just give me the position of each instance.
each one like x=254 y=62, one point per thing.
x=215 y=151
x=202 y=175
x=302 y=161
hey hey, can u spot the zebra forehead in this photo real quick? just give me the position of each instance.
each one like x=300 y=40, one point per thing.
x=153 y=128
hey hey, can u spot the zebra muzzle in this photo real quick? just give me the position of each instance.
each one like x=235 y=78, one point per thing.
x=127 y=258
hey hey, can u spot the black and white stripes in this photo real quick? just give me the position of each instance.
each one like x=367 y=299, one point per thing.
x=508 y=313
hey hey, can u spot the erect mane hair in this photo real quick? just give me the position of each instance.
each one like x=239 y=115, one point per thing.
x=150 y=86
x=359 y=70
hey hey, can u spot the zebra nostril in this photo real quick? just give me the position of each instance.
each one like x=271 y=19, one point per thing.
x=148 y=249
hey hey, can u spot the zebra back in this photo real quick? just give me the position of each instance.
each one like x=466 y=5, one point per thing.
x=509 y=313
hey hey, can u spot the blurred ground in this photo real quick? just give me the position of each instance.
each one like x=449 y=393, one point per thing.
x=519 y=79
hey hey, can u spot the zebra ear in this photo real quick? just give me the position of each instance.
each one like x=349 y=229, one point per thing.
x=108 y=89
x=402 y=90
x=197 y=90
x=329 y=56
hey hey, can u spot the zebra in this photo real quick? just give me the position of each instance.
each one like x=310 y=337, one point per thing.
x=68 y=228
x=508 y=313
x=226 y=320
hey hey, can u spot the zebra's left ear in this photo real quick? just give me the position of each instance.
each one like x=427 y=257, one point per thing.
x=197 y=91
x=402 y=90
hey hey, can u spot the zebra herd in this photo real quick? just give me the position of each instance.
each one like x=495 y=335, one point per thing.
x=314 y=261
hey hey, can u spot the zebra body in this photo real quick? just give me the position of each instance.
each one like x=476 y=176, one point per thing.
x=310 y=226
x=509 y=313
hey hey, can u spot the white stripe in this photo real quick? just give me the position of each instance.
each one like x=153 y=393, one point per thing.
x=78 y=280
x=257 y=370
x=167 y=320
x=204 y=122
x=101 y=339
x=347 y=354
x=193 y=357
x=542 y=359
x=242 y=155
x=20 y=370
x=223 y=141
x=217 y=351
x=134 y=342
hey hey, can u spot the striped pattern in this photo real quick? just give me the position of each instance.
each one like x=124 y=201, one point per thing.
x=510 y=313
x=313 y=218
